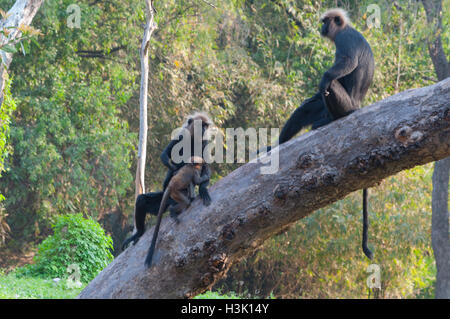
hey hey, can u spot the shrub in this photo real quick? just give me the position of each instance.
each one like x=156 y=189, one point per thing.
x=77 y=243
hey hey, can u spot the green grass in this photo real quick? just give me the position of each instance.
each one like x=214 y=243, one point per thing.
x=230 y=295
x=12 y=287
x=215 y=295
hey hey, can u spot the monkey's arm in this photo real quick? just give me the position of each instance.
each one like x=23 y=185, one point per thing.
x=166 y=156
x=203 y=187
x=344 y=64
x=199 y=179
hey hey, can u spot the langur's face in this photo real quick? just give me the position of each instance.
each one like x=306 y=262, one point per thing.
x=205 y=127
x=195 y=121
x=331 y=26
x=325 y=25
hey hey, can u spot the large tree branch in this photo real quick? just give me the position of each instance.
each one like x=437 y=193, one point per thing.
x=316 y=169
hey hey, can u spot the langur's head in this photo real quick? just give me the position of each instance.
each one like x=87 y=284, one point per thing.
x=198 y=116
x=197 y=162
x=333 y=21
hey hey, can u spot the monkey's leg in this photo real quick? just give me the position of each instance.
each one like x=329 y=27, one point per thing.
x=145 y=203
x=204 y=193
x=150 y=202
x=325 y=118
x=312 y=111
x=308 y=113
x=338 y=102
x=142 y=206
x=183 y=202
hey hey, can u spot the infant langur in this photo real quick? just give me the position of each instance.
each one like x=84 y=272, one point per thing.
x=181 y=189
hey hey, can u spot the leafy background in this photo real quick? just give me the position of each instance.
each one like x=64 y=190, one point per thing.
x=73 y=135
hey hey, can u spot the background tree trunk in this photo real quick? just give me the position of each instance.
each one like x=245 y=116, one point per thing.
x=320 y=167
x=433 y=10
x=440 y=227
x=440 y=222
x=21 y=13
x=143 y=126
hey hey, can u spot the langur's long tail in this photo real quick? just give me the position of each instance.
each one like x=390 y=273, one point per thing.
x=162 y=208
x=365 y=248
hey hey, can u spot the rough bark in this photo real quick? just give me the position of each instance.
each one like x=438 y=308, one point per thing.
x=318 y=168
x=440 y=227
x=21 y=13
x=150 y=26
x=440 y=222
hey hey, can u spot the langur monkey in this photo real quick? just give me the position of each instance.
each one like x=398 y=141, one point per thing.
x=179 y=189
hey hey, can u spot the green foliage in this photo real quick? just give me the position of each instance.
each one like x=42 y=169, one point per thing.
x=72 y=144
x=21 y=42
x=6 y=109
x=76 y=240
x=20 y=287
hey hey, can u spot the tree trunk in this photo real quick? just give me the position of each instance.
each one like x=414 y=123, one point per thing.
x=440 y=226
x=143 y=126
x=21 y=13
x=433 y=10
x=316 y=169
